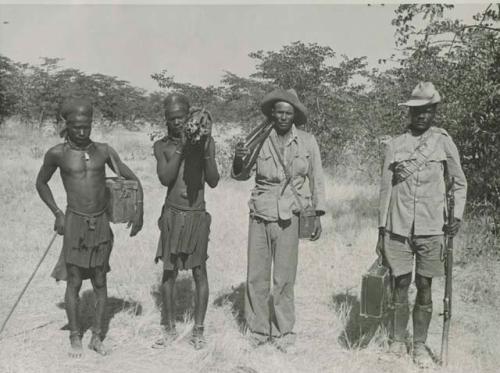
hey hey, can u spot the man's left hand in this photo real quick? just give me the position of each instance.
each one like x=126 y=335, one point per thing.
x=317 y=229
x=209 y=144
x=452 y=229
x=137 y=221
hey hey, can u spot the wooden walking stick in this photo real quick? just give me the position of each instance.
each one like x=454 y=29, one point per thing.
x=29 y=281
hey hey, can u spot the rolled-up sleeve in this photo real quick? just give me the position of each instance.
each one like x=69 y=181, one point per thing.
x=317 y=179
x=385 y=186
x=455 y=171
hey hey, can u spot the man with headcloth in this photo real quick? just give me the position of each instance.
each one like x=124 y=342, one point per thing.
x=184 y=167
x=412 y=209
x=273 y=236
x=88 y=239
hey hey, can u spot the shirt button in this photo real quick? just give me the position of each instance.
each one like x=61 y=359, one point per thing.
x=416 y=199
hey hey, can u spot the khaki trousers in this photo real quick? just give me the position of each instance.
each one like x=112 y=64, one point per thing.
x=272 y=248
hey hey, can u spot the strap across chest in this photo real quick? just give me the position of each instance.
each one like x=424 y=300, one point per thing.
x=419 y=157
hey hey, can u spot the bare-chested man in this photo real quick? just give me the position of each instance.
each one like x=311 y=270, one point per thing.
x=184 y=223
x=88 y=238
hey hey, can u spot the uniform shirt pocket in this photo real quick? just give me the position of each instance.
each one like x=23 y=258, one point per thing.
x=266 y=167
x=437 y=156
x=301 y=163
x=431 y=178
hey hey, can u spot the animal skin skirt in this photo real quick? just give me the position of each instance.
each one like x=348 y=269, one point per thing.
x=183 y=239
x=87 y=243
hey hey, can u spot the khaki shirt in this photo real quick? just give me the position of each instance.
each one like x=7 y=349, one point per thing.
x=419 y=201
x=302 y=157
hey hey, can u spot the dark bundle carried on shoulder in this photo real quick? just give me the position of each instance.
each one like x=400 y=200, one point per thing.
x=198 y=124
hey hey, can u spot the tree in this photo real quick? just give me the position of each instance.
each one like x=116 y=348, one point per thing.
x=463 y=61
x=8 y=97
x=325 y=86
x=198 y=96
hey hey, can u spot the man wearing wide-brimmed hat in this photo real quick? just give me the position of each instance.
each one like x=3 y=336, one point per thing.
x=412 y=208
x=289 y=180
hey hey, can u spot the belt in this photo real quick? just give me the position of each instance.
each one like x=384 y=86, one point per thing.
x=90 y=218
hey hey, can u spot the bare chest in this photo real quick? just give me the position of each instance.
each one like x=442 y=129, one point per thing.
x=81 y=163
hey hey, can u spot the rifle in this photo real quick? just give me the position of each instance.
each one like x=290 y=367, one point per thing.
x=448 y=270
x=254 y=142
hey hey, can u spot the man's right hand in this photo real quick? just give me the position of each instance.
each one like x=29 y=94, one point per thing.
x=241 y=151
x=181 y=145
x=380 y=242
x=59 y=223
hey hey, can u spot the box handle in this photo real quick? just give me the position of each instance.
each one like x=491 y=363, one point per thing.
x=113 y=162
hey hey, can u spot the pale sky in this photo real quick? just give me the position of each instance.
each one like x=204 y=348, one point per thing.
x=195 y=43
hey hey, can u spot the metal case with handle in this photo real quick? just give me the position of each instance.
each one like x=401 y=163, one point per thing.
x=122 y=197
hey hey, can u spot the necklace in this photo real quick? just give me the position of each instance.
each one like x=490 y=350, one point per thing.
x=85 y=149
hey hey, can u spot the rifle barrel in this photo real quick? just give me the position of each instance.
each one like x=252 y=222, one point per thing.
x=254 y=142
x=448 y=270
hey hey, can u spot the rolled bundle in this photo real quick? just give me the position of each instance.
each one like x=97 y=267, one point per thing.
x=254 y=141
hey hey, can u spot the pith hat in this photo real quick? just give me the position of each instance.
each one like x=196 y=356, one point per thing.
x=289 y=96
x=424 y=94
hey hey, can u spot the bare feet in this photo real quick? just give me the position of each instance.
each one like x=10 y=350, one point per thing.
x=76 y=350
x=169 y=336
x=97 y=345
x=197 y=340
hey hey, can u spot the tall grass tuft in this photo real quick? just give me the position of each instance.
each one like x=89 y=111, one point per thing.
x=331 y=335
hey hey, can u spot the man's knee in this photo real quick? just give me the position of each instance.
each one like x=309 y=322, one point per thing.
x=403 y=282
x=424 y=290
x=74 y=279
x=169 y=276
x=74 y=284
x=401 y=286
x=423 y=283
x=99 y=279
x=200 y=273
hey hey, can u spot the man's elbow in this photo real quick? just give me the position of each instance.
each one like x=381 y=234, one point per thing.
x=213 y=181
x=39 y=185
x=164 y=180
x=241 y=176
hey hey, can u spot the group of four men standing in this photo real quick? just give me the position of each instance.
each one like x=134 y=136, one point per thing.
x=288 y=176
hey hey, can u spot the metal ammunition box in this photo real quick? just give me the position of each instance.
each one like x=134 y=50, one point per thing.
x=122 y=199
x=376 y=291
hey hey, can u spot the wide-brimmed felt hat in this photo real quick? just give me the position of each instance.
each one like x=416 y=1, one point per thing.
x=424 y=94
x=289 y=96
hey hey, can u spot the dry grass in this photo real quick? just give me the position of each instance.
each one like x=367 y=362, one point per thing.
x=328 y=327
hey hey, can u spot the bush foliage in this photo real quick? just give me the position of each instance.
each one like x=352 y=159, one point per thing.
x=351 y=107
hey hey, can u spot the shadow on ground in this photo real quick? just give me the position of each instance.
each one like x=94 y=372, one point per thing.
x=358 y=331
x=86 y=311
x=183 y=295
x=236 y=297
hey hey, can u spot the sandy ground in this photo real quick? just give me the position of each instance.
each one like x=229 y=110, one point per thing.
x=330 y=332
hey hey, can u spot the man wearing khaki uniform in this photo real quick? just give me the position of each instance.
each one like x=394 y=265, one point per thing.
x=273 y=236
x=412 y=208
